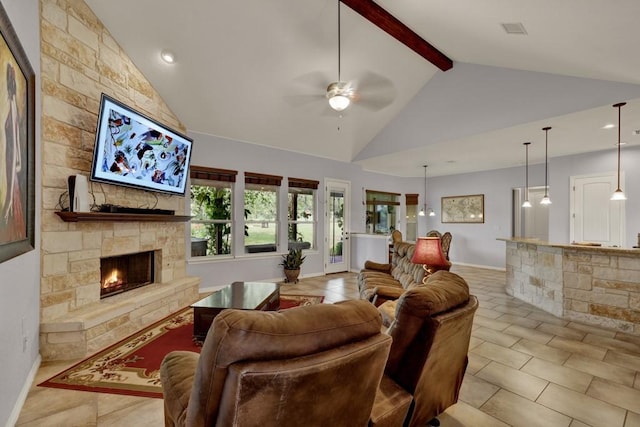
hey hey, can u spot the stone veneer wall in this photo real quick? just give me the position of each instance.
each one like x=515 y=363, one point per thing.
x=589 y=285
x=603 y=289
x=534 y=275
x=79 y=61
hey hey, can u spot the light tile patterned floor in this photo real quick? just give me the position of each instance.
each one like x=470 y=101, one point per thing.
x=526 y=368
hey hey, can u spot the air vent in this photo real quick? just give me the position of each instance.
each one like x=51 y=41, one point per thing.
x=514 y=28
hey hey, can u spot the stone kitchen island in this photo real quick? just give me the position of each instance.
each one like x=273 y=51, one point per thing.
x=588 y=284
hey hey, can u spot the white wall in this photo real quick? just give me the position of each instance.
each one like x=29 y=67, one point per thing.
x=19 y=283
x=473 y=244
x=212 y=151
x=476 y=243
x=560 y=169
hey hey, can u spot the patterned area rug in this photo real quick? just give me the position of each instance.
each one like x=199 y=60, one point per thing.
x=132 y=366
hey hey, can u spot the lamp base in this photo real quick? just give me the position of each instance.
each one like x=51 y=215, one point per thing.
x=430 y=269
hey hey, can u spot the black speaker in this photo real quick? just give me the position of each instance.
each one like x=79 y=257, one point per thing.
x=71 y=182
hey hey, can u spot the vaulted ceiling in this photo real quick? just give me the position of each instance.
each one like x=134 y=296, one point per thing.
x=256 y=71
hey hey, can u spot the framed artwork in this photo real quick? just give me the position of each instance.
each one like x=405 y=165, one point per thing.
x=463 y=209
x=17 y=145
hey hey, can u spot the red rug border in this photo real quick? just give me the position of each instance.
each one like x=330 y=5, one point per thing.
x=128 y=392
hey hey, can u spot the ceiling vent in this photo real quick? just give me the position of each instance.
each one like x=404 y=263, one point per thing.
x=514 y=28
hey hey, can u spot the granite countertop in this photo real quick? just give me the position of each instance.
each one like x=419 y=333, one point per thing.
x=575 y=246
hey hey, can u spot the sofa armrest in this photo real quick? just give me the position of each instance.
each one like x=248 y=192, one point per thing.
x=381 y=294
x=389 y=292
x=376 y=266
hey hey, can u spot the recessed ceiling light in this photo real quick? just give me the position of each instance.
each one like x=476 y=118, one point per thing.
x=514 y=28
x=608 y=126
x=168 y=56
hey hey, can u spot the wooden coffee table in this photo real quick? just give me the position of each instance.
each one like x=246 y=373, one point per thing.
x=262 y=296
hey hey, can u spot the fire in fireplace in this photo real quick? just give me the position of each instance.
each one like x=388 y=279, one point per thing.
x=125 y=272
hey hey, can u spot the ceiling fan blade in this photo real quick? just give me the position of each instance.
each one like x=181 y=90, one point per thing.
x=374 y=91
x=308 y=91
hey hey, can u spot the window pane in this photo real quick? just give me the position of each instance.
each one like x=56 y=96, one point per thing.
x=412 y=225
x=211 y=201
x=212 y=211
x=210 y=239
x=260 y=211
x=301 y=218
x=381 y=212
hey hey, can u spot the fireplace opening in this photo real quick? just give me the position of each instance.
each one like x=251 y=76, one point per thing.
x=125 y=272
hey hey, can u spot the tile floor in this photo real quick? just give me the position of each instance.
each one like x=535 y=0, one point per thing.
x=526 y=368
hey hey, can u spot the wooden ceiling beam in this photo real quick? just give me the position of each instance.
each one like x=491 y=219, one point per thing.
x=392 y=26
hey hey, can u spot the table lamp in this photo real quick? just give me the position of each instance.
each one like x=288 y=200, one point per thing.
x=429 y=253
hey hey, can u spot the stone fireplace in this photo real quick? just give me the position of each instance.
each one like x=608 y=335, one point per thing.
x=123 y=273
x=74 y=320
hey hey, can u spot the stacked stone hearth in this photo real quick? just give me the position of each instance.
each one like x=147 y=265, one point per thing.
x=81 y=60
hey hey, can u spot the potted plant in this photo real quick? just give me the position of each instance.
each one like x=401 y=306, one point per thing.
x=291 y=263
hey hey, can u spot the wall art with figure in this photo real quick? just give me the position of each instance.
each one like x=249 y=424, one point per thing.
x=16 y=145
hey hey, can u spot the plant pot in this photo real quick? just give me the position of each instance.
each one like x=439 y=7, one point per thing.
x=291 y=275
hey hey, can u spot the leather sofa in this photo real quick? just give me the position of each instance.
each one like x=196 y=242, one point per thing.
x=431 y=330
x=297 y=367
x=380 y=282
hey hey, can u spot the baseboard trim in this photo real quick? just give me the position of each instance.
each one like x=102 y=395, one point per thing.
x=488 y=267
x=22 y=397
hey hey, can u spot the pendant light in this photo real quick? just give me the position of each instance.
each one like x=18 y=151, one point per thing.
x=527 y=203
x=546 y=200
x=618 y=194
x=338 y=92
x=423 y=211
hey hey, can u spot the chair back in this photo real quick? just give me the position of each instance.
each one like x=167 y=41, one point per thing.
x=431 y=334
x=446 y=244
x=301 y=366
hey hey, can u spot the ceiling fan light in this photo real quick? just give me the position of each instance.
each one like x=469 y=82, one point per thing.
x=168 y=56
x=339 y=102
x=618 y=195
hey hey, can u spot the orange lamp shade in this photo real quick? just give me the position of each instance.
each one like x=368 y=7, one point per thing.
x=429 y=252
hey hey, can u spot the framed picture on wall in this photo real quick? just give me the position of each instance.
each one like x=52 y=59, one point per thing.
x=463 y=209
x=17 y=146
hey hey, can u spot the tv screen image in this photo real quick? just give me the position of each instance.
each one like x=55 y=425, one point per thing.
x=134 y=150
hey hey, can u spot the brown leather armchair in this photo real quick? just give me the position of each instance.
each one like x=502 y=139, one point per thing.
x=431 y=332
x=301 y=366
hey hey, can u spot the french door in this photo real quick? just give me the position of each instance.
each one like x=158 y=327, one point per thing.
x=337 y=248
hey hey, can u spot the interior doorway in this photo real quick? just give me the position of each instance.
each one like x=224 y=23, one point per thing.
x=594 y=217
x=533 y=222
x=337 y=249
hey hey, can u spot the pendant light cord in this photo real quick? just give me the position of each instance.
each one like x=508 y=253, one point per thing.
x=546 y=161
x=526 y=177
x=425 y=189
x=619 y=109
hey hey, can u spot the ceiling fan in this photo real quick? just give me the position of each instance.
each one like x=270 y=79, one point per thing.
x=369 y=90
x=339 y=93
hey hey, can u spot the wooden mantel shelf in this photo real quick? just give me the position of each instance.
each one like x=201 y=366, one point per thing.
x=107 y=216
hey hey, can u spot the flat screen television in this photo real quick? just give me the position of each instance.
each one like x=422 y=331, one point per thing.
x=134 y=150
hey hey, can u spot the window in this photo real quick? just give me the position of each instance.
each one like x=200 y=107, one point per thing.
x=261 y=212
x=382 y=209
x=412 y=217
x=301 y=213
x=212 y=211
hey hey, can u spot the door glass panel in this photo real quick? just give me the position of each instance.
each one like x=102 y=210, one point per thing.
x=336 y=226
